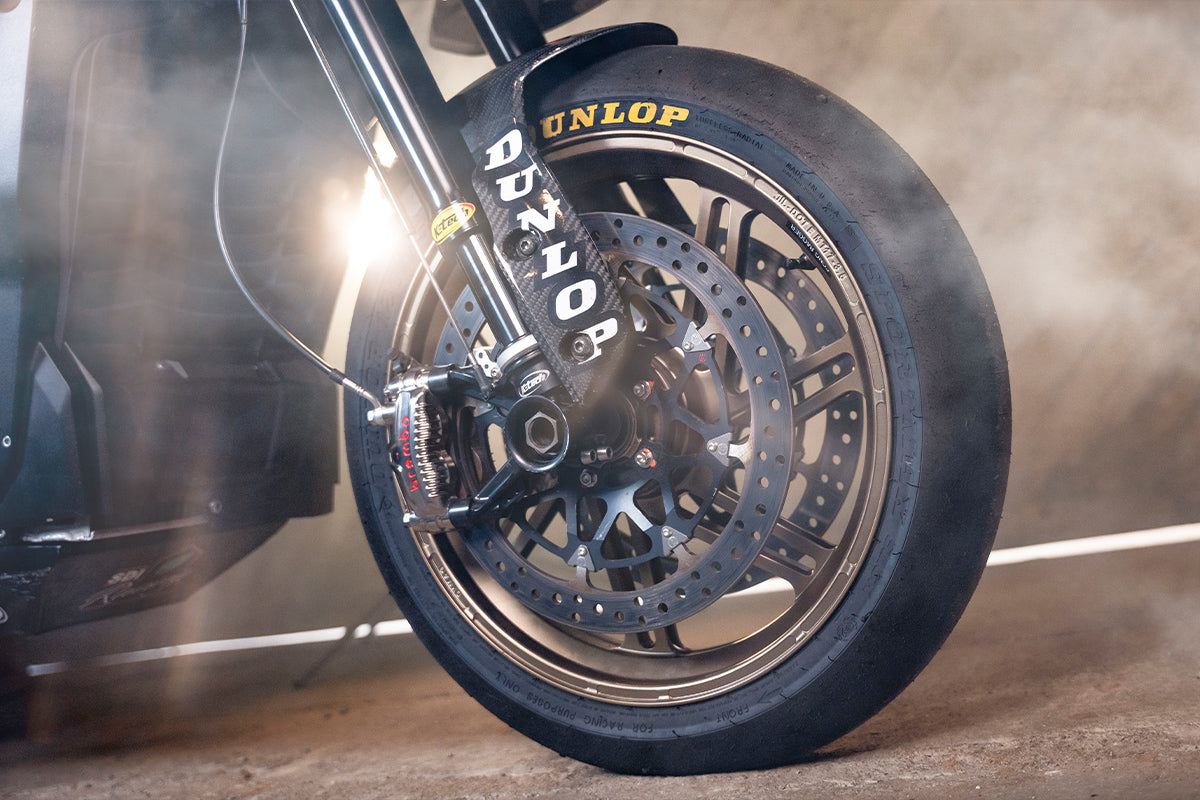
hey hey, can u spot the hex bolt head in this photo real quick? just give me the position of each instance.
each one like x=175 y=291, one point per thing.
x=644 y=458
x=587 y=479
x=526 y=245
x=581 y=347
x=541 y=433
x=641 y=390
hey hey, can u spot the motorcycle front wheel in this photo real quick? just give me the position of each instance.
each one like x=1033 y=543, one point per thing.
x=811 y=434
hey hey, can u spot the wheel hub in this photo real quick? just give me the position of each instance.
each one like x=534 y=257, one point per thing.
x=608 y=431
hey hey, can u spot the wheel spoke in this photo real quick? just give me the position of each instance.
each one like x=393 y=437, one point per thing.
x=794 y=572
x=734 y=235
x=792 y=542
x=659 y=640
x=798 y=371
x=788 y=544
x=708 y=218
x=820 y=359
x=740 y=219
x=739 y=412
x=726 y=500
x=819 y=400
x=667 y=640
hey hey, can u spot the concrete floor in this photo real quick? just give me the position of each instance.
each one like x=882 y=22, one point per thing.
x=1065 y=679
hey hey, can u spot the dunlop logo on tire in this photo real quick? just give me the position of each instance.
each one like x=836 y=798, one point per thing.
x=595 y=115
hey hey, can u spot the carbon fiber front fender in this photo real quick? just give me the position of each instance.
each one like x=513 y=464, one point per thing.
x=562 y=285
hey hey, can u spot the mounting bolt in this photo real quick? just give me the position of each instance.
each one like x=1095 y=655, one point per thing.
x=6 y=441
x=587 y=479
x=216 y=506
x=641 y=390
x=581 y=347
x=644 y=458
x=525 y=245
x=687 y=346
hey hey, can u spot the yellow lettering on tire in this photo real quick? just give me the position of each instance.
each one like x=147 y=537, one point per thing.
x=642 y=112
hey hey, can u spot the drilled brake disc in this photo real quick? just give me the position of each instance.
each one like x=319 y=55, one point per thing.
x=676 y=475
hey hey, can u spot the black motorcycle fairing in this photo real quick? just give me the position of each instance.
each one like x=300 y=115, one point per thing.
x=14 y=66
x=179 y=414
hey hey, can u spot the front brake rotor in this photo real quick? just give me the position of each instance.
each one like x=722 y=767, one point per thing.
x=676 y=475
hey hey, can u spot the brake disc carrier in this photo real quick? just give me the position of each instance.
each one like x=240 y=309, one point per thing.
x=624 y=535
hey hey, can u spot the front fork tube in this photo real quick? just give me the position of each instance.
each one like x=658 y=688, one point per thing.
x=410 y=111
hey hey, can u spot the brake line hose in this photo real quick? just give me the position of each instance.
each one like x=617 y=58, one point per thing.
x=331 y=372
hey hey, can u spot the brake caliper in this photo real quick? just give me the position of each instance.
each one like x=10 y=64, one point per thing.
x=424 y=468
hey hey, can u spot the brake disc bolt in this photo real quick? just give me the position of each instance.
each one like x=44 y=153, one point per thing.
x=587 y=479
x=641 y=390
x=644 y=458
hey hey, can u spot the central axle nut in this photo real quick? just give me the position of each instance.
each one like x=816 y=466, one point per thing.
x=541 y=433
x=536 y=433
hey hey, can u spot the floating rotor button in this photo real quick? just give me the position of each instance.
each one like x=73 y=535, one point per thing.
x=582 y=562
x=719 y=446
x=693 y=340
x=672 y=539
